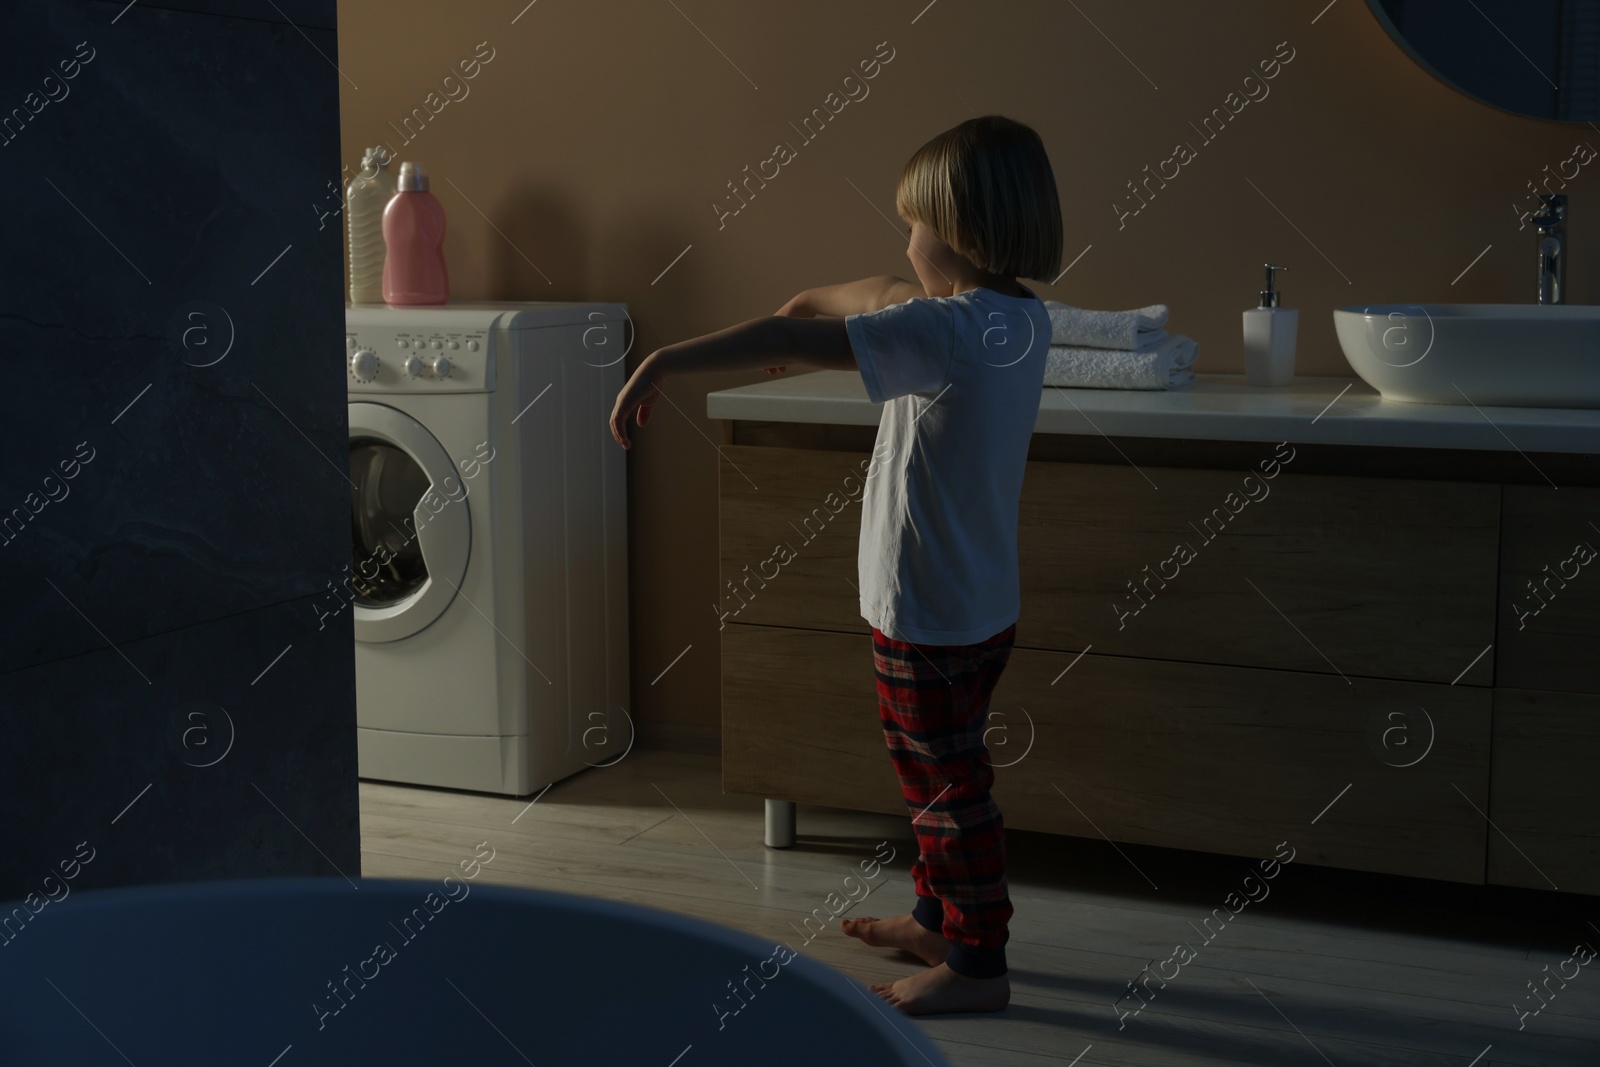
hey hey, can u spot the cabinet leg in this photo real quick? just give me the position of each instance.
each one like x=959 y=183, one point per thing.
x=780 y=823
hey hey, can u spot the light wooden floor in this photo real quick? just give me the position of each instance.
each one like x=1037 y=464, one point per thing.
x=1332 y=967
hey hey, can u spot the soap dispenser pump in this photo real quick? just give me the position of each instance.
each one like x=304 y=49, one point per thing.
x=1269 y=332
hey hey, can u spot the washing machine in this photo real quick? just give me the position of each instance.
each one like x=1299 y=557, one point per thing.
x=489 y=526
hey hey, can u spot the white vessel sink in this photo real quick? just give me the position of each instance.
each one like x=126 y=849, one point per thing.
x=1504 y=355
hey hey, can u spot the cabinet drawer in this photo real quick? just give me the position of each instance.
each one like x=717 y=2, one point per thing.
x=1354 y=577
x=1359 y=577
x=1544 y=794
x=789 y=524
x=1219 y=759
x=1549 y=621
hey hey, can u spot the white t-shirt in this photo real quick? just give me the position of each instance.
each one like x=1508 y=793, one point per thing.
x=960 y=379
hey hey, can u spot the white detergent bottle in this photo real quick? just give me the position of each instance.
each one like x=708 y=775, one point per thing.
x=366 y=195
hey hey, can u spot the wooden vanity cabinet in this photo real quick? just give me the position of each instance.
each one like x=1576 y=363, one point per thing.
x=1320 y=667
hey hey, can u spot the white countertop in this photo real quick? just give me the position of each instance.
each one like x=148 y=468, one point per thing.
x=1218 y=407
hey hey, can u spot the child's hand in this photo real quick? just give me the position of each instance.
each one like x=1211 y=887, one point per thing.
x=639 y=393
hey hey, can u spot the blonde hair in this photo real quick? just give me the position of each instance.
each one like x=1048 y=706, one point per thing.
x=986 y=189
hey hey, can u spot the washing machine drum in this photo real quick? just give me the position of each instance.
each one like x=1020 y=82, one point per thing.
x=409 y=524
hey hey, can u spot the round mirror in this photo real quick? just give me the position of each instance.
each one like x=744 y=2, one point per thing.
x=1539 y=58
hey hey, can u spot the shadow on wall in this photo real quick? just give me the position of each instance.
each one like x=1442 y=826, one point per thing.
x=542 y=249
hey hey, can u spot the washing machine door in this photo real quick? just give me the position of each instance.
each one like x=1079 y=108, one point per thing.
x=409 y=521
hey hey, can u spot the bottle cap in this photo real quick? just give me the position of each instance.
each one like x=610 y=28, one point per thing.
x=412 y=179
x=1269 y=296
x=375 y=158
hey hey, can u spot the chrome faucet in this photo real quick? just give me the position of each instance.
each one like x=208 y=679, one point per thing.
x=1551 y=224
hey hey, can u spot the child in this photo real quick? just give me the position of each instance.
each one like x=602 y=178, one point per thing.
x=957 y=362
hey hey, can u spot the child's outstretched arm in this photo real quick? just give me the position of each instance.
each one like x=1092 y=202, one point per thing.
x=747 y=346
x=853 y=298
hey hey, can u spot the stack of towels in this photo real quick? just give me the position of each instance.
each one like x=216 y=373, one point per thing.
x=1116 y=349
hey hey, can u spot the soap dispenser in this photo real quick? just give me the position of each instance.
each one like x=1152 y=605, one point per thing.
x=1269 y=338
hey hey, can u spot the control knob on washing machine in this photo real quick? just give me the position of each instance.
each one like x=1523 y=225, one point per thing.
x=441 y=366
x=412 y=366
x=364 y=364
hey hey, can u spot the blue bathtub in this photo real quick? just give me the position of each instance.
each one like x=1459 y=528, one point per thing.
x=293 y=971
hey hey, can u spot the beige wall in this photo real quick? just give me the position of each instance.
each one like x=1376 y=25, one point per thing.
x=600 y=134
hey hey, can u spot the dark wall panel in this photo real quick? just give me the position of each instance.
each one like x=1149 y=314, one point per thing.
x=210 y=770
x=172 y=319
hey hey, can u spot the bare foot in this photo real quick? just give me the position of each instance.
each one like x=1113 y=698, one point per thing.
x=902 y=932
x=939 y=989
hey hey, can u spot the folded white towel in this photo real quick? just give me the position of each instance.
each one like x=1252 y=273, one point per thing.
x=1166 y=366
x=1130 y=331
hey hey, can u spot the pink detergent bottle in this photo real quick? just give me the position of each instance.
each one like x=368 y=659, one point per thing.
x=413 y=237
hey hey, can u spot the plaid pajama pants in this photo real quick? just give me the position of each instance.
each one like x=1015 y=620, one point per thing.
x=934 y=702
